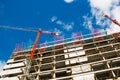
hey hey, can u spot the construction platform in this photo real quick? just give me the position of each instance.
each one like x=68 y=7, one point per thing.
x=90 y=58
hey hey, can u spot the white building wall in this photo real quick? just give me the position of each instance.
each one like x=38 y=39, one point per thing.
x=13 y=65
x=10 y=61
x=79 y=69
x=11 y=71
x=10 y=78
x=84 y=77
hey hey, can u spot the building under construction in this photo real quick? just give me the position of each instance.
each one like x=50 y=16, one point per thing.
x=90 y=58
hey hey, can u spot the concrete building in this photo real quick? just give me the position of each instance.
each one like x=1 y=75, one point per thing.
x=90 y=58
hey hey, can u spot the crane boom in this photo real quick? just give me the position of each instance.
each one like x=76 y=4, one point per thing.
x=17 y=28
x=113 y=20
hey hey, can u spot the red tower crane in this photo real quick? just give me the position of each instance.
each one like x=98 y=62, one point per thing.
x=113 y=20
x=37 y=37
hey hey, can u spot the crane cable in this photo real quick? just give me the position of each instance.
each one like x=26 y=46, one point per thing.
x=21 y=29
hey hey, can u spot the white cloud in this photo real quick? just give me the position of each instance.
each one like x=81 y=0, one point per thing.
x=2 y=64
x=54 y=18
x=59 y=22
x=66 y=26
x=57 y=30
x=101 y=4
x=68 y=1
x=109 y=7
x=69 y=26
x=88 y=22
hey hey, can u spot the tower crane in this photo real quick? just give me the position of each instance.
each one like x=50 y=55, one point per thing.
x=113 y=20
x=37 y=38
x=39 y=32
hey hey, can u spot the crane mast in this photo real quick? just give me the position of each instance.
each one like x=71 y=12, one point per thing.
x=35 y=44
x=37 y=38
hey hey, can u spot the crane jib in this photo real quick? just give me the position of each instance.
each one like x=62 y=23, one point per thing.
x=18 y=28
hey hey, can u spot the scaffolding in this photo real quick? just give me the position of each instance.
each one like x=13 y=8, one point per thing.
x=91 y=58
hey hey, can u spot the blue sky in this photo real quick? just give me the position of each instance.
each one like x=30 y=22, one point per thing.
x=64 y=16
x=37 y=14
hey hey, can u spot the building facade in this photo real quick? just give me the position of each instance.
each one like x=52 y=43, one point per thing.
x=90 y=58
